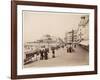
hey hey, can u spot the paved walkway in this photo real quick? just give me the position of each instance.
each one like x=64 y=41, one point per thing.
x=79 y=57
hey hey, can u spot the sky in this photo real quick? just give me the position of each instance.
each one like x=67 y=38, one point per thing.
x=37 y=24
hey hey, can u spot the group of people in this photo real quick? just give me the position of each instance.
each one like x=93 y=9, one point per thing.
x=70 y=48
x=44 y=53
x=41 y=54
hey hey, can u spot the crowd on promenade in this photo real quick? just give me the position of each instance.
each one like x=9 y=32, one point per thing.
x=44 y=51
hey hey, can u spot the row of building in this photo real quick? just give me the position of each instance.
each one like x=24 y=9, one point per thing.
x=78 y=36
x=46 y=40
x=81 y=34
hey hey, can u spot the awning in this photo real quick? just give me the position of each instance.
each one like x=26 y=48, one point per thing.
x=85 y=43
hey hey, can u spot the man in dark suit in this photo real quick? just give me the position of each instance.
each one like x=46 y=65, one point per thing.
x=41 y=54
x=46 y=53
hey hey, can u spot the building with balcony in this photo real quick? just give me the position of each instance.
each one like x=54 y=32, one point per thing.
x=71 y=37
x=83 y=31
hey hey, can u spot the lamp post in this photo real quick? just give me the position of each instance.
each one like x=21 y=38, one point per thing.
x=72 y=37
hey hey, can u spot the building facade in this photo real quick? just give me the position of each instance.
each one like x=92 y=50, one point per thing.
x=83 y=31
x=71 y=37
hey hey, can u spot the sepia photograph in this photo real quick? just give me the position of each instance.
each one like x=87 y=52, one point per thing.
x=55 y=39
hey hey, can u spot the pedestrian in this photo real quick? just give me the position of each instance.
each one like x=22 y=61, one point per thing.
x=53 y=52
x=47 y=50
x=41 y=54
x=70 y=49
x=67 y=49
x=75 y=46
x=37 y=55
x=46 y=54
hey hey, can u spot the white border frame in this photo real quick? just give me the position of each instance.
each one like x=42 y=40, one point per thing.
x=44 y=70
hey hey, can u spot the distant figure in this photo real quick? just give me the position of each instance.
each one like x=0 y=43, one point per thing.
x=47 y=50
x=70 y=49
x=67 y=48
x=46 y=54
x=53 y=52
x=41 y=54
x=75 y=46
x=36 y=55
